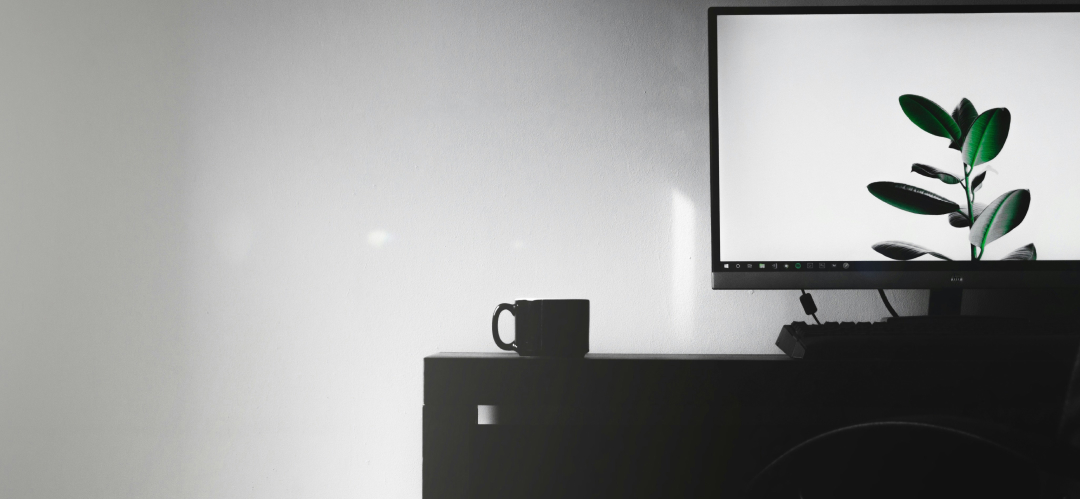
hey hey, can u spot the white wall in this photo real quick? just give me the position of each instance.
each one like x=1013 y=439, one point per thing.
x=230 y=232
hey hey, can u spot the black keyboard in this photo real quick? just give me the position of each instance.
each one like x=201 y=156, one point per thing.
x=933 y=337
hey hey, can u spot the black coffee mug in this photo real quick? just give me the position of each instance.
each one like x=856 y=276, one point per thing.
x=550 y=328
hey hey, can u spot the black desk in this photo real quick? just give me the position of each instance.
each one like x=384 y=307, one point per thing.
x=687 y=425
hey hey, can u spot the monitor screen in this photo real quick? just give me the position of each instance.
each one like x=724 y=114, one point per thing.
x=905 y=147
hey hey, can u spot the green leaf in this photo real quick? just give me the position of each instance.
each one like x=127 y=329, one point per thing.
x=929 y=116
x=986 y=136
x=911 y=198
x=958 y=220
x=1000 y=216
x=960 y=217
x=976 y=183
x=977 y=206
x=1022 y=253
x=929 y=171
x=964 y=114
x=899 y=250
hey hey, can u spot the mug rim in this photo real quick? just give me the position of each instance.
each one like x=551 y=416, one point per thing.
x=550 y=299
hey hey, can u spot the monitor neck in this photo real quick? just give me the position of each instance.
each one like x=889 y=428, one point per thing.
x=945 y=301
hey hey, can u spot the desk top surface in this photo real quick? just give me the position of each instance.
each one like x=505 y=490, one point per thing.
x=618 y=379
x=612 y=356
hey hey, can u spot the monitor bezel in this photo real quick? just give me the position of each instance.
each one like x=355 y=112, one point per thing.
x=878 y=274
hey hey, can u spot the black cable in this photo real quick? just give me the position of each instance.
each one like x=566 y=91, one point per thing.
x=808 y=305
x=887 y=304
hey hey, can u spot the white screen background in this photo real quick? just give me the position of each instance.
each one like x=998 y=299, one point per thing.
x=809 y=115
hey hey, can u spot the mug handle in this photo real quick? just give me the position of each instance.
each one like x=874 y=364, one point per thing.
x=495 y=326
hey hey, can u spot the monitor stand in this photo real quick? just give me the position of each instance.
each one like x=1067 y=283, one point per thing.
x=945 y=301
x=997 y=307
x=1041 y=304
x=944 y=313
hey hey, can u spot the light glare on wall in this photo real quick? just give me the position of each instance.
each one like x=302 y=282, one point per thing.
x=378 y=238
x=682 y=262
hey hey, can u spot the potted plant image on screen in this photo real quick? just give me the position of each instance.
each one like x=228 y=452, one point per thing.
x=979 y=138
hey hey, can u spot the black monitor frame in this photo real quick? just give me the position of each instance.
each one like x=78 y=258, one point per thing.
x=875 y=274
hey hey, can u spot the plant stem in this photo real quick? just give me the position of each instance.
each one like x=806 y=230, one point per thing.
x=970 y=197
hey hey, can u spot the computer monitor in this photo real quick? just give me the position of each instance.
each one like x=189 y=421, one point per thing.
x=895 y=147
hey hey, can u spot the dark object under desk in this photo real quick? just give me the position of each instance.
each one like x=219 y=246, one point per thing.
x=688 y=425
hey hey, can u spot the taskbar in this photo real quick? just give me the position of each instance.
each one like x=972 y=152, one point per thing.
x=865 y=266
x=788 y=266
